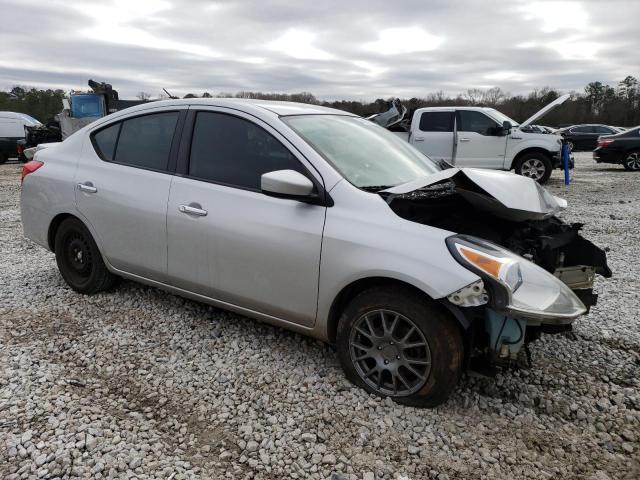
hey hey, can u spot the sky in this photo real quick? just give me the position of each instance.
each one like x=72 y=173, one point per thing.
x=346 y=49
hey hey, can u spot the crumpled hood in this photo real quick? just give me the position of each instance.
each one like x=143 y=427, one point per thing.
x=506 y=195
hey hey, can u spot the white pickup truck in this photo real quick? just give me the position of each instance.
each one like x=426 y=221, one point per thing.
x=479 y=137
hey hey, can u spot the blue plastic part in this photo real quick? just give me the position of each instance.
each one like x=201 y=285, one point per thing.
x=86 y=105
x=565 y=163
x=504 y=330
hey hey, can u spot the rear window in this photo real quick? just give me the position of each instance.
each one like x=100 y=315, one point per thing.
x=146 y=141
x=436 y=122
x=143 y=141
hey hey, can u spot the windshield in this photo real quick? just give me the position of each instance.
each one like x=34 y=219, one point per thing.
x=29 y=118
x=501 y=117
x=365 y=154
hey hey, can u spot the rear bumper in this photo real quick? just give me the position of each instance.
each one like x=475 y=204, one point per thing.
x=604 y=156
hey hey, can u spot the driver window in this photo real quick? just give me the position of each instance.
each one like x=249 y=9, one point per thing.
x=233 y=151
x=471 y=121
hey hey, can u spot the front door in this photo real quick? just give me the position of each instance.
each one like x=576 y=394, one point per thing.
x=229 y=241
x=122 y=188
x=477 y=141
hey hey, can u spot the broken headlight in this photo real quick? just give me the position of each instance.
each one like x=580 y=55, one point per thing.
x=516 y=284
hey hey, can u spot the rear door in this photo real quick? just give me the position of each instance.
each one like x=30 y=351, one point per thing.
x=229 y=241
x=433 y=134
x=477 y=141
x=122 y=188
x=582 y=137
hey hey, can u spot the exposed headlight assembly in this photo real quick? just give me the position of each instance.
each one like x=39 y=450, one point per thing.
x=516 y=284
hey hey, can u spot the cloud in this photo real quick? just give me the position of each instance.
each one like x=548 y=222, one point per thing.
x=298 y=43
x=403 y=40
x=361 y=49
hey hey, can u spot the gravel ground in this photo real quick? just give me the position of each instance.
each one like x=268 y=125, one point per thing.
x=139 y=383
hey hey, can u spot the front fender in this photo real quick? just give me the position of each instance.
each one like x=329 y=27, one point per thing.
x=519 y=143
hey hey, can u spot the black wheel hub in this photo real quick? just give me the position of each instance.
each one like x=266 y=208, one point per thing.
x=390 y=353
x=78 y=255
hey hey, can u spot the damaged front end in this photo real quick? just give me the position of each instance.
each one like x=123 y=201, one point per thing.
x=508 y=233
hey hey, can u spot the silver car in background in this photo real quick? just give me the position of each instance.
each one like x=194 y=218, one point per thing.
x=318 y=221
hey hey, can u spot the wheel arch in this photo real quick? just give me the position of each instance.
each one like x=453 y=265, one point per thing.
x=522 y=153
x=57 y=220
x=53 y=228
x=351 y=290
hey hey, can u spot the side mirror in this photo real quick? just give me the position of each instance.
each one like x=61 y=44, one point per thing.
x=287 y=184
x=506 y=127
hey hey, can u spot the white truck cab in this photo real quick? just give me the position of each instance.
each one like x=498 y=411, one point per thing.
x=483 y=137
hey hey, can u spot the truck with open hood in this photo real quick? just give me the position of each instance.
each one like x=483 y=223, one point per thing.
x=478 y=137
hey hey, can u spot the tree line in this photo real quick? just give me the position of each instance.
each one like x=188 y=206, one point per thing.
x=617 y=105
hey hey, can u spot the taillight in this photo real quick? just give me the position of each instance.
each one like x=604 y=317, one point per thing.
x=30 y=167
x=19 y=149
x=603 y=142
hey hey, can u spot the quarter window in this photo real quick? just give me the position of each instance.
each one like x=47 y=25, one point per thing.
x=436 y=122
x=233 y=151
x=105 y=141
x=478 y=122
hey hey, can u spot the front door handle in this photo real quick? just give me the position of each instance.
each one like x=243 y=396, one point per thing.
x=464 y=139
x=87 y=187
x=193 y=209
x=418 y=139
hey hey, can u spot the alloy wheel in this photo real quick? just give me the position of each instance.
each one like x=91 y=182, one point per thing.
x=632 y=162
x=533 y=168
x=390 y=353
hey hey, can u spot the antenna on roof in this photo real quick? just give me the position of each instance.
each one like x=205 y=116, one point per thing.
x=170 y=96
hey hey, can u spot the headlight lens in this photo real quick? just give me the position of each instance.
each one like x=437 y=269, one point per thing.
x=531 y=291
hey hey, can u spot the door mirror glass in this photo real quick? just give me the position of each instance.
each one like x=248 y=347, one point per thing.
x=287 y=184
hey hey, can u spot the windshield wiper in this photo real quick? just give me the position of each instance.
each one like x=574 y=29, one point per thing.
x=375 y=188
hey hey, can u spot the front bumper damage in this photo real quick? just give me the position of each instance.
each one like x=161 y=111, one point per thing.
x=519 y=215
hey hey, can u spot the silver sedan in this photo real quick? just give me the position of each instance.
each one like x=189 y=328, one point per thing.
x=318 y=221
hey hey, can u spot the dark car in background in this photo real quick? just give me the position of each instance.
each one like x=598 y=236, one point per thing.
x=585 y=137
x=622 y=148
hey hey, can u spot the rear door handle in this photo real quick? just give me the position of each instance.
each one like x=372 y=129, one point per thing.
x=465 y=139
x=87 y=187
x=418 y=139
x=193 y=209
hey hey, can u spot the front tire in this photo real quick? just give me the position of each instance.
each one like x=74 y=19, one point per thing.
x=632 y=161
x=79 y=260
x=536 y=166
x=394 y=342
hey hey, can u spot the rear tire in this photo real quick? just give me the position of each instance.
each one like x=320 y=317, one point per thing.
x=632 y=161
x=419 y=367
x=534 y=165
x=3 y=158
x=79 y=259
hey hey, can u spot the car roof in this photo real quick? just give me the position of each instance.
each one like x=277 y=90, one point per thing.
x=454 y=107
x=275 y=107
